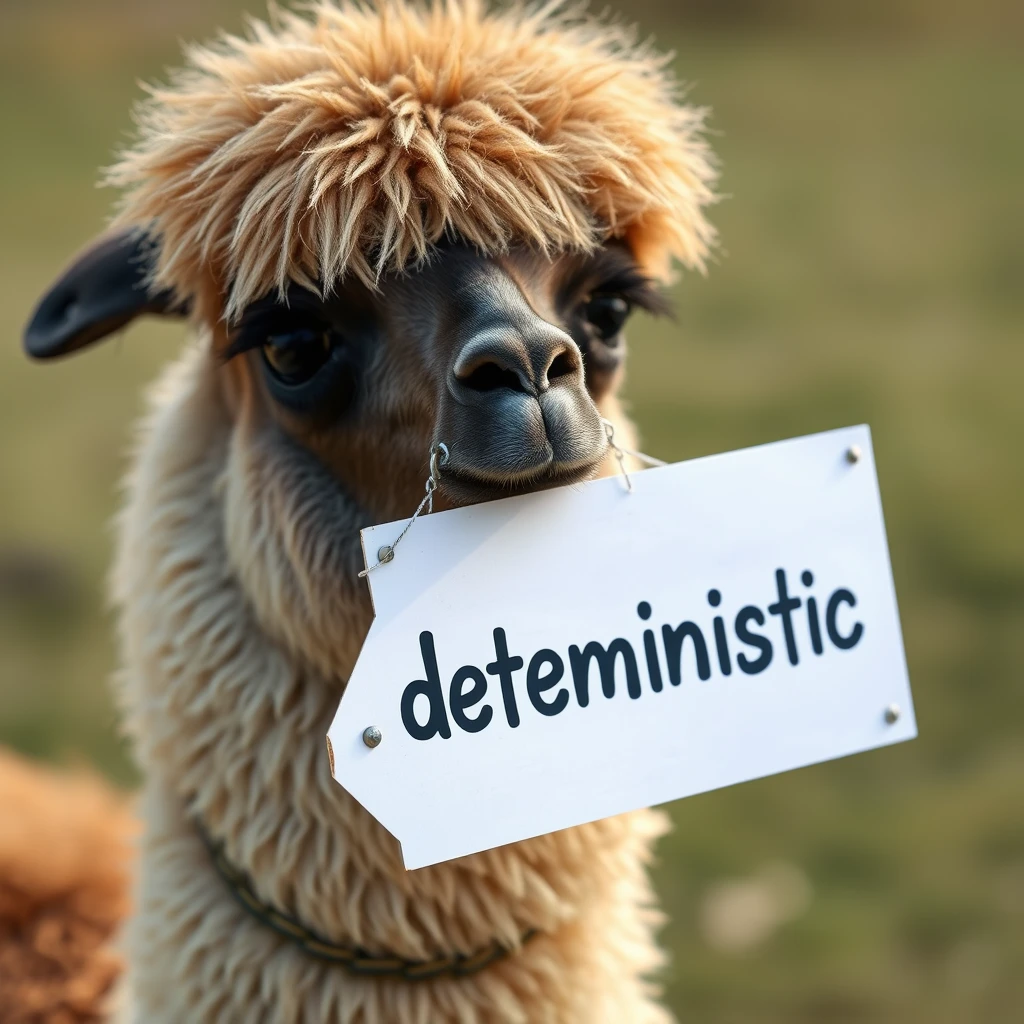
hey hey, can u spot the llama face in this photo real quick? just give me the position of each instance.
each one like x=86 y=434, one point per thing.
x=504 y=358
x=329 y=403
x=501 y=358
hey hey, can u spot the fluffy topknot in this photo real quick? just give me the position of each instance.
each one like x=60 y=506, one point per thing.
x=351 y=138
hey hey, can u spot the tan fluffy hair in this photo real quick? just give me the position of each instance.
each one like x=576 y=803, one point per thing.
x=351 y=139
x=65 y=860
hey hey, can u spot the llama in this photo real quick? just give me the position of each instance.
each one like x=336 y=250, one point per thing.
x=65 y=862
x=388 y=226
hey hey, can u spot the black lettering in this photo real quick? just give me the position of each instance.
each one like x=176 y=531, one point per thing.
x=653 y=668
x=813 y=626
x=437 y=720
x=643 y=609
x=459 y=699
x=503 y=666
x=762 y=643
x=784 y=607
x=721 y=644
x=844 y=643
x=538 y=683
x=723 y=647
x=673 y=640
x=547 y=670
x=580 y=662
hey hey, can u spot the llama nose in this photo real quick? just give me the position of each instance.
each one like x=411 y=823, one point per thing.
x=503 y=358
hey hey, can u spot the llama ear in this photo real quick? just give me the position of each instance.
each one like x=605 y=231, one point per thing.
x=102 y=290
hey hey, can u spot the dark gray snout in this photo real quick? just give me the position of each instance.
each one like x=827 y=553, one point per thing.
x=528 y=362
x=517 y=415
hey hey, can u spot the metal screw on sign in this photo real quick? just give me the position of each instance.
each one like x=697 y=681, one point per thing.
x=892 y=714
x=372 y=736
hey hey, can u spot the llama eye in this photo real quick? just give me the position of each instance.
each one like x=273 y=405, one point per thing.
x=606 y=314
x=294 y=357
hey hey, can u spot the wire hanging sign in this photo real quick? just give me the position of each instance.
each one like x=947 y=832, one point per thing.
x=440 y=456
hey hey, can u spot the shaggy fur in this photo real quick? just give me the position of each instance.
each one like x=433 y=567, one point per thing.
x=228 y=696
x=346 y=142
x=352 y=139
x=65 y=855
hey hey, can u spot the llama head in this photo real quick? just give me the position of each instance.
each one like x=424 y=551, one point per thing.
x=393 y=226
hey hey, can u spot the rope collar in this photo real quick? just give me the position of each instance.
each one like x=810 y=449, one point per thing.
x=355 y=960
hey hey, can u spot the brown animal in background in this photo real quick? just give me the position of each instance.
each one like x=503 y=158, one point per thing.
x=389 y=226
x=65 y=857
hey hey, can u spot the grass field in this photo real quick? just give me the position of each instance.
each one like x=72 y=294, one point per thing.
x=872 y=269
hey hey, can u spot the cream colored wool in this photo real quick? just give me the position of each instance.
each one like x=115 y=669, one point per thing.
x=347 y=142
x=230 y=723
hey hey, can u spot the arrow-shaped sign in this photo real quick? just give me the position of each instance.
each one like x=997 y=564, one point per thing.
x=547 y=660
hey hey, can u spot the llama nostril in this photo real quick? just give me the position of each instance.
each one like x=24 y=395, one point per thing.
x=490 y=377
x=527 y=362
x=565 y=364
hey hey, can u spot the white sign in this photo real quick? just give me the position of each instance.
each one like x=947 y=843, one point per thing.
x=547 y=660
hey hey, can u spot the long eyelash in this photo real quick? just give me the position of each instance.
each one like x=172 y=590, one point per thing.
x=257 y=323
x=263 y=316
x=613 y=271
x=244 y=341
x=638 y=290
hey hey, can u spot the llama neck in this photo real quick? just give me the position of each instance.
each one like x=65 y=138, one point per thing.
x=230 y=727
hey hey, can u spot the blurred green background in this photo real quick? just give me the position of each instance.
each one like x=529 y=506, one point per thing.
x=872 y=269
